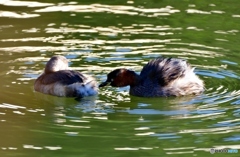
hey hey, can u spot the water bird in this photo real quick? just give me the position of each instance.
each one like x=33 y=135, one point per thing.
x=160 y=77
x=58 y=80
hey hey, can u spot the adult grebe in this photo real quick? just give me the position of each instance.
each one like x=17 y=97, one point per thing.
x=160 y=77
x=58 y=80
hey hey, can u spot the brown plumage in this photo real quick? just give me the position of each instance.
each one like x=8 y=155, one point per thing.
x=58 y=80
x=159 y=77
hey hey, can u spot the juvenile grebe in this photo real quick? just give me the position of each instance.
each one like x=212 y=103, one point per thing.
x=160 y=77
x=58 y=80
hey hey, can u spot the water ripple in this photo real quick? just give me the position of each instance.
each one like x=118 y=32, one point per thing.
x=116 y=9
x=97 y=38
x=16 y=15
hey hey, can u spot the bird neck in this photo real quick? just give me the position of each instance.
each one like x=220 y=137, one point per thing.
x=133 y=78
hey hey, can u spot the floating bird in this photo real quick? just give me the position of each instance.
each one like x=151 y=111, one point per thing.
x=159 y=77
x=57 y=79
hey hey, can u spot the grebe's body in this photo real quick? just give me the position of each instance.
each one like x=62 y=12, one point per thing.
x=160 y=77
x=58 y=80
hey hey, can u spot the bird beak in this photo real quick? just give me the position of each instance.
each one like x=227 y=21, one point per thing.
x=104 y=84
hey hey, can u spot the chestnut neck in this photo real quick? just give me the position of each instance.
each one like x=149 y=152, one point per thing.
x=132 y=78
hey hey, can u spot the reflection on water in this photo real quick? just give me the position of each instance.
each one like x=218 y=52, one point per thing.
x=98 y=37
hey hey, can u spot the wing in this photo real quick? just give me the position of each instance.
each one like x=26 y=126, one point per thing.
x=65 y=77
x=164 y=70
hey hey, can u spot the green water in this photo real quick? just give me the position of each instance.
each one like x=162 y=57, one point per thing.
x=99 y=36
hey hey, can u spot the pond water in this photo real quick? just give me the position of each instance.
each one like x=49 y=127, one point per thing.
x=98 y=37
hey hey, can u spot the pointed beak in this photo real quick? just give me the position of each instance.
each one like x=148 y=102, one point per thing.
x=104 y=84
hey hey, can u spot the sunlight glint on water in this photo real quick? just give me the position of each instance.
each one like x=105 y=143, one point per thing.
x=98 y=37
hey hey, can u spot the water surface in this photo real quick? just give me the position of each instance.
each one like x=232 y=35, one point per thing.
x=98 y=37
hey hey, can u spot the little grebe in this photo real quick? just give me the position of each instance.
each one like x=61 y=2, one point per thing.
x=58 y=80
x=160 y=77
